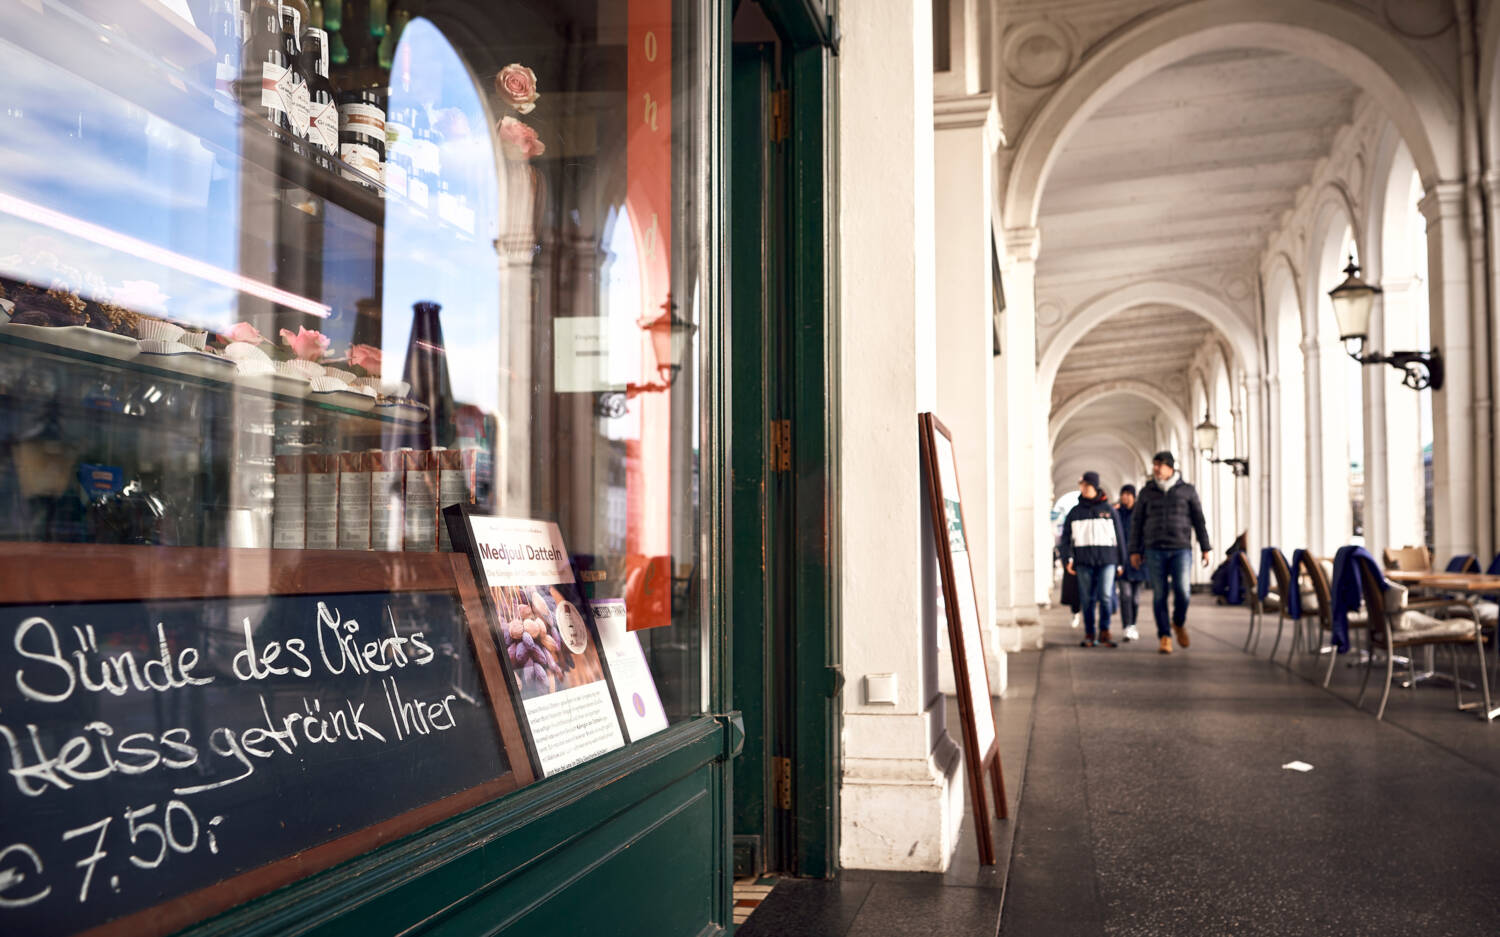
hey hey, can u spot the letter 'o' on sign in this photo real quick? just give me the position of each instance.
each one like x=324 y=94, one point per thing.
x=650 y=46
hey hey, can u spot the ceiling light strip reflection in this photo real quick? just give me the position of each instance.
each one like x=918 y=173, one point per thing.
x=158 y=255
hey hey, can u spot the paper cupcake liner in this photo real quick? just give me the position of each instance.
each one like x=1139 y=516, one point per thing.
x=346 y=376
x=300 y=368
x=155 y=330
x=195 y=340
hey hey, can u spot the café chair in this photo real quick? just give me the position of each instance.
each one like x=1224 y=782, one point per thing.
x=1258 y=606
x=1409 y=559
x=1322 y=611
x=1393 y=625
x=1286 y=580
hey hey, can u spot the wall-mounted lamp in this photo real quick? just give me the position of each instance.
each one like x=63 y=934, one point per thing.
x=669 y=340
x=1206 y=435
x=1352 y=300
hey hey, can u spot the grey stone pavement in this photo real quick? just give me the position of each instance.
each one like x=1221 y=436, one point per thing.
x=1149 y=798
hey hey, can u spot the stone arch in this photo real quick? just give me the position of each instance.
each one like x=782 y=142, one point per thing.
x=1148 y=392
x=1143 y=453
x=1489 y=85
x=1189 y=296
x=1335 y=211
x=1348 y=41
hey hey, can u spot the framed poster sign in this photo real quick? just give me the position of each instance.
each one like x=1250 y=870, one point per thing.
x=546 y=635
x=971 y=674
x=196 y=727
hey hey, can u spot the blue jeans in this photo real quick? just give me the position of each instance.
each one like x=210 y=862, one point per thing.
x=1095 y=586
x=1162 y=565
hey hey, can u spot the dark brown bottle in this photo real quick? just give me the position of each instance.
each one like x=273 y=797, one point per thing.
x=322 y=111
x=266 y=85
x=291 y=22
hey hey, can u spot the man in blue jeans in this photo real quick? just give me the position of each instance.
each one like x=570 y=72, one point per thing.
x=1167 y=516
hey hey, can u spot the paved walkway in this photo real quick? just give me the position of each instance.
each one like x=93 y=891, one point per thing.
x=1155 y=801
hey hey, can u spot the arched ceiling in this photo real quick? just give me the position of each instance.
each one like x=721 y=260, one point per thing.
x=1191 y=166
x=1151 y=343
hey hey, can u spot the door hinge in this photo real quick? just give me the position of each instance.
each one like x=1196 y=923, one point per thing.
x=781 y=445
x=783 y=768
x=781 y=114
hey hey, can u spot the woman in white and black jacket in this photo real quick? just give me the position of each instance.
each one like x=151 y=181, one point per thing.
x=1093 y=547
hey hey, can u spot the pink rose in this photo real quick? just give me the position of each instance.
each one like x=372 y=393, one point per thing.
x=245 y=332
x=367 y=357
x=518 y=141
x=307 y=344
x=517 y=85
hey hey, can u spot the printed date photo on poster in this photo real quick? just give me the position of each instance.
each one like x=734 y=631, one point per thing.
x=545 y=635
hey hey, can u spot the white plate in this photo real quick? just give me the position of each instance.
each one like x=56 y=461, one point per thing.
x=348 y=399
x=406 y=412
x=78 y=337
x=188 y=361
x=275 y=383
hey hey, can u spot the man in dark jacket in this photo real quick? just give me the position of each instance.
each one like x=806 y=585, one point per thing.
x=1093 y=547
x=1130 y=583
x=1167 y=515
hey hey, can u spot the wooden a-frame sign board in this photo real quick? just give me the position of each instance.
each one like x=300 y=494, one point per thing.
x=970 y=672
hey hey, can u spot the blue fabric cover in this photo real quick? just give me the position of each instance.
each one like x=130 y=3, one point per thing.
x=1347 y=595
x=1234 y=585
x=1460 y=562
x=1263 y=577
x=1294 y=601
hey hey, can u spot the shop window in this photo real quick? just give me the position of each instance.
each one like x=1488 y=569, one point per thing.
x=349 y=427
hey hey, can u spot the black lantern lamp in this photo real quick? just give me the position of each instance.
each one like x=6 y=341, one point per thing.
x=1206 y=435
x=1352 y=301
x=670 y=334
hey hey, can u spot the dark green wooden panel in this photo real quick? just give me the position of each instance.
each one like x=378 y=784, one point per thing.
x=530 y=855
x=751 y=278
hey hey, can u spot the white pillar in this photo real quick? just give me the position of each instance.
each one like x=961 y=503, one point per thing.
x=1492 y=197
x=1398 y=450
x=1273 y=481
x=1313 y=446
x=1455 y=525
x=901 y=801
x=1019 y=417
x=967 y=134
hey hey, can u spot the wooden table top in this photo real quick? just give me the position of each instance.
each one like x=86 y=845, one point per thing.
x=1456 y=582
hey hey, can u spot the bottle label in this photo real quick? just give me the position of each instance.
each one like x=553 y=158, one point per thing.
x=301 y=106
x=322 y=126
x=276 y=91
x=361 y=157
x=365 y=119
x=397 y=135
x=224 y=75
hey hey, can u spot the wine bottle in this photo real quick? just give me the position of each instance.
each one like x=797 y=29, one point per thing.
x=266 y=81
x=291 y=28
x=333 y=15
x=322 y=113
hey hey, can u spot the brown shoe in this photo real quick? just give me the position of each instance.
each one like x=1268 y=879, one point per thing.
x=1166 y=645
x=1182 y=635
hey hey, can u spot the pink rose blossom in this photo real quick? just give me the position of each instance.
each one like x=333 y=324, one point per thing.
x=517 y=85
x=307 y=344
x=365 y=356
x=518 y=141
x=245 y=332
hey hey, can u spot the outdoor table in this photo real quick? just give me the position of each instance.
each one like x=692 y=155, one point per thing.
x=1471 y=587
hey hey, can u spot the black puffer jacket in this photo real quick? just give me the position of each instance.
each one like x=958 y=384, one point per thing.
x=1092 y=535
x=1167 y=520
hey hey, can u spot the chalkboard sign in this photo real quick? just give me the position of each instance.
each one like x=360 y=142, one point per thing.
x=970 y=672
x=168 y=757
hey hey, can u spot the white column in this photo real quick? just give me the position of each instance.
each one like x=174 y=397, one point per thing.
x=967 y=134
x=1399 y=449
x=1378 y=453
x=1492 y=197
x=1313 y=446
x=900 y=797
x=1455 y=505
x=1272 y=480
x=1019 y=416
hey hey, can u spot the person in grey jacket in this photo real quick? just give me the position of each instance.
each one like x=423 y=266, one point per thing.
x=1093 y=547
x=1167 y=516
